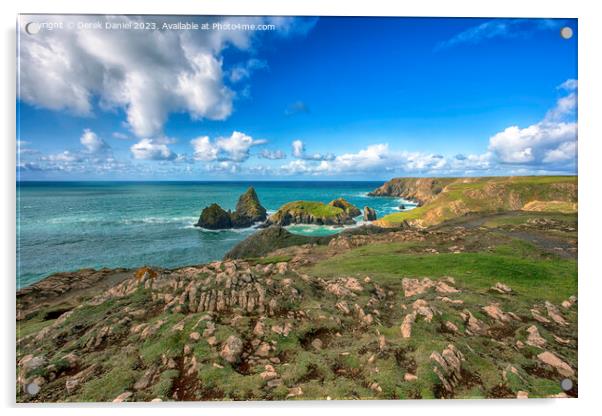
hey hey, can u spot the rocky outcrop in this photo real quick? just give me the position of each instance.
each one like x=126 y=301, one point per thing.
x=369 y=214
x=421 y=190
x=214 y=218
x=248 y=212
x=346 y=206
x=310 y=212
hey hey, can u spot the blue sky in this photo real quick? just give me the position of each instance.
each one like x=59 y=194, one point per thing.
x=315 y=98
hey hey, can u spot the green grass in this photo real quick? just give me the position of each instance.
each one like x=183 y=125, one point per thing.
x=490 y=195
x=516 y=265
x=112 y=383
x=317 y=209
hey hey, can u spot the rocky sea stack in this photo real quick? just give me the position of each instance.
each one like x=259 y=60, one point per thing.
x=337 y=212
x=248 y=211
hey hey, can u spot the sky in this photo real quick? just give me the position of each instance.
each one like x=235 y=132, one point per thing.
x=306 y=98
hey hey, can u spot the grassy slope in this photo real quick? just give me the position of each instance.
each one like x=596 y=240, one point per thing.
x=492 y=194
x=317 y=209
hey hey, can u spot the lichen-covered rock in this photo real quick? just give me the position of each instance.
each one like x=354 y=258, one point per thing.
x=232 y=349
x=248 y=210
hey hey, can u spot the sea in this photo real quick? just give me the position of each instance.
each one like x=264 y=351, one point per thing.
x=67 y=226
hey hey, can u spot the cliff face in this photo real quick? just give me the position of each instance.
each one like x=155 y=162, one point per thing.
x=421 y=190
x=446 y=198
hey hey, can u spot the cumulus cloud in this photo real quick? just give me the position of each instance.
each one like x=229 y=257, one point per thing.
x=380 y=158
x=148 y=149
x=551 y=141
x=299 y=152
x=148 y=74
x=500 y=28
x=92 y=143
x=234 y=148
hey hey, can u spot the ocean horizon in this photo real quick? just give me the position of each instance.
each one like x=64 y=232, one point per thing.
x=69 y=225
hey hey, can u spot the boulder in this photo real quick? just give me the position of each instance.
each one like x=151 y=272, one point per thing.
x=369 y=214
x=232 y=349
x=552 y=360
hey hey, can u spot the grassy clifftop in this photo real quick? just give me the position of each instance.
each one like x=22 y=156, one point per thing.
x=337 y=212
x=447 y=198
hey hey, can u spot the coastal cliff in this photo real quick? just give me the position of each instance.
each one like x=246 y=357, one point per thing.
x=442 y=199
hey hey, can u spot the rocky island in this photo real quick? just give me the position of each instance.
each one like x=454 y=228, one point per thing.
x=473 y=296
x=337 y=212
x=248 y=212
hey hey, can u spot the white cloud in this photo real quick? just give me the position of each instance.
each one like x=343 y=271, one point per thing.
x=148 y=74
x=272 y=154
x=243 y=71
x=92 y=142
x=234 y=148
x=552 y=140
x=121 y=136
x=500 y=28
x=148 y=149
x=299 y=152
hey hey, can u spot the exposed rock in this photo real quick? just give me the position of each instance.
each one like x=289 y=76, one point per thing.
x=450 y=326
x=534 y=338
x=567 y=304
x=410 y=377
x=248 y=210
x=555 y=315
x=406 y=325
x=294 y=392
x=501 y=288
x=413 y=287
x=522 y=394
x=449 y=369
x=123 y=397
x=494 y=311
x=474 y=325
x=194 y=336
x=369 y=214
x=552 y=360
x=539 y=317
x=232 y=349
x=317 y=344
x=214 y=217
x=146 y=379
x=349 y=208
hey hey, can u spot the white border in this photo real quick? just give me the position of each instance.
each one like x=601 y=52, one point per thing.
x=590 y=208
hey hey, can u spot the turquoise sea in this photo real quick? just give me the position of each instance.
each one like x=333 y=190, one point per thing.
x=65 y=226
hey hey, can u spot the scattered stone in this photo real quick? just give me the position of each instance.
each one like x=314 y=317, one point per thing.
x=409 y=377
x=494 y=311
x=552 y=360
x=534 y=338
x=269 y=373
x=501 y=288
x=194 y=336
x=539 y=317
x=474 y=325
x=263 y=350
x=294 y=392
x=450 y=326
x=406 y=326
x=123 y=397
x=448 y=300
x=449 y=369
x=555 y=315
x=376 y=388
x=562 y=341
x=522 y=394
x=232 y=349
x=413 y=287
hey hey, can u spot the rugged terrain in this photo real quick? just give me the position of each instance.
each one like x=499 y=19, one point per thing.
x=336 y=212
x=442 y=199
x=480 y=306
